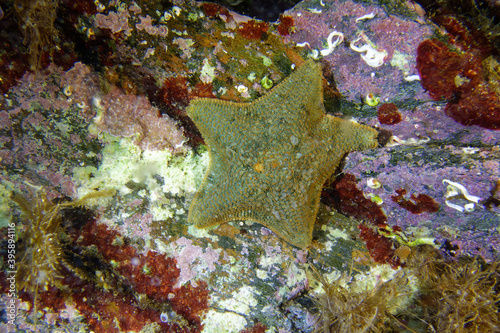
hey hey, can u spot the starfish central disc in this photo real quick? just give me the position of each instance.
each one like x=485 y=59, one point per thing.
x=269 y=158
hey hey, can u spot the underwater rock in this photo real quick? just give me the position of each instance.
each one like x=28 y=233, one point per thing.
x=107 y=109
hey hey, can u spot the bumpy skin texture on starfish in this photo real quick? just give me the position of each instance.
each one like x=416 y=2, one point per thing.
x=270 y=158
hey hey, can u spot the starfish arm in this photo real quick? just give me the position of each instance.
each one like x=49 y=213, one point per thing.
x=213 y=117
x=298 y=99
x=218 y=200
x=294 y=105
x=231 y=190
x=290 y=211
x=348 y=135
x=296 y=232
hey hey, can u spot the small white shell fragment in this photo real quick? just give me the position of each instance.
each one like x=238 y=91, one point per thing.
x=100 y=7
x=365 y=17
x=176 y=10
x=315 y=10
x=371 y=56
x=469 y=207
x=411 y=78
x=303 y=44
x=462 y=190
x=452 y=205
x=332 y=44
x=456 y=191
x=373 y=183
x=396 y=141
x=470 y=150
x=68 y=90
x=165 y=17
x=241 y=88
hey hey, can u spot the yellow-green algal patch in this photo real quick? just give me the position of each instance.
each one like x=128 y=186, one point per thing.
x=401 y=61
x=233 y=320
x=159 y=175
x=227 y=322
x=6 y=188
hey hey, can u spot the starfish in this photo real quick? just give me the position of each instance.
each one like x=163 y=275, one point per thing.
x=269 y=158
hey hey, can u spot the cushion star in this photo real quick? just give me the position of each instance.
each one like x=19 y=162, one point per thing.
x=269 y=158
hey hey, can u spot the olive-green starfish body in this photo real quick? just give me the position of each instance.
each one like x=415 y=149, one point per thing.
x=270 y=158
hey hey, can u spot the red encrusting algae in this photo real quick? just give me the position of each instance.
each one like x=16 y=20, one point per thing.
x=462 y=71
x=417 y=204
x=388 y=114
x=212 y=10
x=173 y=98
x=286 y=26
x=253 y=29
x=344 y=196
x=153 y=274
x=257 y=328
x=103 y=274
x=175 y=95
x=381 y=248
